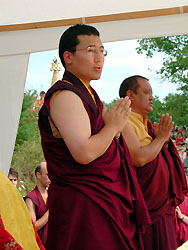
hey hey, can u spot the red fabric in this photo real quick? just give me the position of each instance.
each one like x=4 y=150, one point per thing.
x=162 y=181
x=179 y=141
x=93 y=206
x=181 y=227
x=39 y=242
x=40 y=209
x=8 y=242
x=161 y=235
x=6 y=239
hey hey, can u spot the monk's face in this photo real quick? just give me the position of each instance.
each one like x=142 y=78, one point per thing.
x=142 y=101
x=45 y=181
x=87 y=61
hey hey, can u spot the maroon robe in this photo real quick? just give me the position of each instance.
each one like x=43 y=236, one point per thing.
x=181 y=227
x=163 y=184
x=162 y=181
x=95 y=206
x=40 y=209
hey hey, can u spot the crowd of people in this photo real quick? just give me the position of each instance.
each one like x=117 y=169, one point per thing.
x=179 y=136
x=112 y=179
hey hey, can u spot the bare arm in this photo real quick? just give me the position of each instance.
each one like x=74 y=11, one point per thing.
x=181 y=216
x=72 y=121
x=40 y=222
x=141 y=155
x=183 y=247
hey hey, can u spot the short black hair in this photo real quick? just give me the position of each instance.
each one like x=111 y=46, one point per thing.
x=69 y=39
x=179 y=132
x=38 y=169
x=130 y=83
x=13 y=172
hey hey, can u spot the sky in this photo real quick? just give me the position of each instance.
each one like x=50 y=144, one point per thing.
x=121 y=62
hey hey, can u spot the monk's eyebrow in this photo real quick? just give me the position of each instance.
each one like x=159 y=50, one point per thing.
x=95 y=46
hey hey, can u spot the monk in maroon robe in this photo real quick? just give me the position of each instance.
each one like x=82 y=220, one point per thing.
x=158 y=166
x=40 y=209
x=94 y=198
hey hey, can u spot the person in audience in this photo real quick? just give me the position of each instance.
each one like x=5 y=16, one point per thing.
x=37 y=202
x=184 y=132
x=179 y=139
x=182 y=222
x=180 y=145
x=13 y=176
x=40 y=102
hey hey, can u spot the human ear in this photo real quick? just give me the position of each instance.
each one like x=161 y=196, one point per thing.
x=130 y=94
x=38 y=175
x=67 y=57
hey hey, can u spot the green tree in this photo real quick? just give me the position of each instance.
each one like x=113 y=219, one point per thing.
x=177 y=106
x=174 y=50
x=28 y=150
x=28 y=122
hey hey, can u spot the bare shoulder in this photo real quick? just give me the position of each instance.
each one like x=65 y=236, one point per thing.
x=64 y=102
x=67 y=111
x=65 y=96
x=29 y=202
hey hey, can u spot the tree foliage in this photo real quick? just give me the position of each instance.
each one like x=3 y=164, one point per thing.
x=174 y=51
x=177 y=106
x=28 y=122
x=27 y=152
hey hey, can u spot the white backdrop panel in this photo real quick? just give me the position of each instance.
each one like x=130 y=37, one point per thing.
x=24 y=41
x=13 y=70
x=22 y=11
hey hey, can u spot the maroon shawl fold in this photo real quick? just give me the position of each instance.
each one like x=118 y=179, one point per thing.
x=92 y=205
x=40 y=209
x=162 y=181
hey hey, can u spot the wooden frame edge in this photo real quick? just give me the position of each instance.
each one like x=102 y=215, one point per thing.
x=96 y=19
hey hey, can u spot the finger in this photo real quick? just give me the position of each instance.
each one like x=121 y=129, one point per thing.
x=124 y=106
x=167 y=121
x=127 y=99
x=161 y=119
x=126 y=110
x=104 y=111
x=117 y=104
x=170 y=124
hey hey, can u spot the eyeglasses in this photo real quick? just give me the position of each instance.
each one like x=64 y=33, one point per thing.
x=92 y=51
x=13 y=179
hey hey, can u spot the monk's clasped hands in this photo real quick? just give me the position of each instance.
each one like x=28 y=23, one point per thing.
x=163 y=129
x=118 y=115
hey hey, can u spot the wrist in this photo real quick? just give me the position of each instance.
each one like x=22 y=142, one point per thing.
x=160 y=140
x=182 y=218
